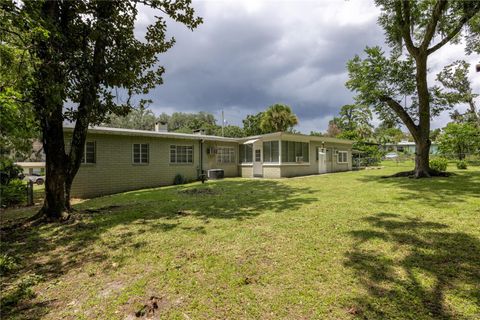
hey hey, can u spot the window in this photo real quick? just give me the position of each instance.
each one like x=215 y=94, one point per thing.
x=293 y=151
x=181 y=154
x=225 y=155
x=258 y=155
x=89 y=153
x=246 y=153
x=270 y=151
x=140 y=153
x=342 y=157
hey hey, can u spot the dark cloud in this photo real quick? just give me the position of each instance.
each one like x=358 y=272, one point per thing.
x=244 y=60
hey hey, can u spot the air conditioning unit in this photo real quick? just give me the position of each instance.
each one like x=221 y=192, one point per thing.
x=299 y=159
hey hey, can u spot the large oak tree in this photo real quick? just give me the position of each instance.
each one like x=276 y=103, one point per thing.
x=85 y=53
x=415 y=30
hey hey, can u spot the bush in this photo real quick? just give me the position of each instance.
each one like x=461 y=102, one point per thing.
x=439 y=164
x=179 y=179
x=462 y=164
x=13 y=193
x=8 y=171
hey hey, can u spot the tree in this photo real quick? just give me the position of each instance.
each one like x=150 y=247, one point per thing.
x=251 y=124
x=333 y=130
x=188 y=122
x=85 y=51
x=353 y=122
x=18 y=126
x=141 y=118
x=414 y=31
x=459 y=139
x=455 y=78
x=278 y=117
x=230 y=131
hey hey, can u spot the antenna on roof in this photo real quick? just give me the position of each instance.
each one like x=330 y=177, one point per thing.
x=223 y=123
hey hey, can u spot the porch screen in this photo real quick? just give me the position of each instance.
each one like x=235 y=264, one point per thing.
x=270 y=151
x=246 y=153
x=295 y=151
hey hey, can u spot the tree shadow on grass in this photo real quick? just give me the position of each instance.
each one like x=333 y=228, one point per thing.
x=424 y=271
x=51 y=251
x=436 y=191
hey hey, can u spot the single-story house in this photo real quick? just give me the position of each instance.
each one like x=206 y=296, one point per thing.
x=119 y=160
x=407 y=147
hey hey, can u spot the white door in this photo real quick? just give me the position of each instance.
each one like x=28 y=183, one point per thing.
x=257 y=159
x=322 y=161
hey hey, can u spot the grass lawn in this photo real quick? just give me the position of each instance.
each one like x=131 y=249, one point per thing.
x=336 y=246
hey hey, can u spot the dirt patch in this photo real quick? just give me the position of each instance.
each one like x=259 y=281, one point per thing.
x=199 y=191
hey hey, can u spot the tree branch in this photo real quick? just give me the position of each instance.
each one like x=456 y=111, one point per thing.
x=401 y=113
x=465 y=18
x=432 y=25
x=402 y=10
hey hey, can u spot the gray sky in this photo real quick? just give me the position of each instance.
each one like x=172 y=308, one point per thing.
x=248 y=55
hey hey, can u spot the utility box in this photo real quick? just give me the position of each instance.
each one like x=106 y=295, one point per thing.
x=215 y=174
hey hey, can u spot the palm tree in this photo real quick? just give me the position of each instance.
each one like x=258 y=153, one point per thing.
x=278 y=117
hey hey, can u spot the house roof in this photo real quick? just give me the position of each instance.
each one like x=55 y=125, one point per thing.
x=296 y=137
x=175 y=135
x=147 y=133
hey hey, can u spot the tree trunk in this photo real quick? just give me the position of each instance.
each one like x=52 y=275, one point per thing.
x=422 y=158
x=422 y=136
x=54 y=204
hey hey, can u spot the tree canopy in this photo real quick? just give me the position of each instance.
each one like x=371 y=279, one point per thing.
x=88 y=60
x=459 y=140
x=397 y=83
x=278 y=117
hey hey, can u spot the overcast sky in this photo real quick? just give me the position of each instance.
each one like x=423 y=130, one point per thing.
x=248 y=55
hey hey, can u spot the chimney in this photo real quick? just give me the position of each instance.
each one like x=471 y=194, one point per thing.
x=161 y=126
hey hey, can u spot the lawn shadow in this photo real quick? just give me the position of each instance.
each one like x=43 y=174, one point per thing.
x=425 y=265
x=53 y=250
x=435 y=191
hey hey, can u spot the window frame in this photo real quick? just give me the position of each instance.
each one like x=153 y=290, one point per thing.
x=140 y=153
x=269 y=151
x=231 y=155
x=243 y=153
x=290 y=150
x=338 y=156
x=176 y=162
x=84 y=158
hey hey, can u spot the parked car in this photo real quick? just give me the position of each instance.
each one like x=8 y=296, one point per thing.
x=36 y=178
x=391 y=155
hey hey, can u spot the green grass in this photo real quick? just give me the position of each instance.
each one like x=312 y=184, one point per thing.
x=336 y=246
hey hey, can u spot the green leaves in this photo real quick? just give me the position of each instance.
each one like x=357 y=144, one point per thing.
x=376 y=77
x=459 y=140
x=278 y=117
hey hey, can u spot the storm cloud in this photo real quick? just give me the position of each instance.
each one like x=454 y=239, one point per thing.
x=248 y=55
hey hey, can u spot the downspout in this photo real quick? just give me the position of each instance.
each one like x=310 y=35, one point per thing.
x=201 y=156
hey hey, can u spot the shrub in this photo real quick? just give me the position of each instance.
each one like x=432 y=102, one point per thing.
x=8 y=171
x=179 y=179
x=462 y=164
x=13 y=193
x=439 y=164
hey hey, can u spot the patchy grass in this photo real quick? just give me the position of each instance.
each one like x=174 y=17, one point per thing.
x=337 y=246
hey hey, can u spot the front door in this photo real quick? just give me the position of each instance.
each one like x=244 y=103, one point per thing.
x=257 y=160
x=322 y=161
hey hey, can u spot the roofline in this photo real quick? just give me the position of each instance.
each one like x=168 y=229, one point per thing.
x=147 y=133
x=176 y=135
x=287 y=135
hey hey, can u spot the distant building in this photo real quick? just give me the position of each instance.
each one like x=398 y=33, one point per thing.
x=407 y=147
